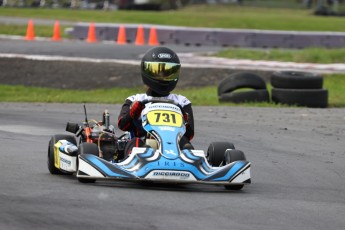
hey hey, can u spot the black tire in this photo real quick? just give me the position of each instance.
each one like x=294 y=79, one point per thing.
x=234 y=187
x=130 y=145
x=86 y=180
x=259 y=95
x=215 y=152
x=296 y=80
x=50 y=162
x=87 y=148
x=314 y=98
x=232 y=156
x=240 y=80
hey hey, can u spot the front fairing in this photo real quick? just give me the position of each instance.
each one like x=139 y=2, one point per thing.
x=165 y=123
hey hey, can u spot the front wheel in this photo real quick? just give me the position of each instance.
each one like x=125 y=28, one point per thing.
x=51 y=155
x=216 y=151
x=232 y=156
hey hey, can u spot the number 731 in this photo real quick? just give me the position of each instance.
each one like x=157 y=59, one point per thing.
x=165 y=118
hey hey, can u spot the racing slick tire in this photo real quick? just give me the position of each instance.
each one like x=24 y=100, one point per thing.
x=216 y=151
x=232 y=156
x=240 y=80
x=296 y=80
x=51 y=160
x=87 y=148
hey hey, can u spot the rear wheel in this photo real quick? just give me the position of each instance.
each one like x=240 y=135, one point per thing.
x=51 y=158
x=215 y=152
x=234 y=187
x=232 y=156
x=86 y=180
x=87 y=148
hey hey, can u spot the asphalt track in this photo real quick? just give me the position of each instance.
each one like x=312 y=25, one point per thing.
x=298 y=174
x=75 y=48
x=190 y=56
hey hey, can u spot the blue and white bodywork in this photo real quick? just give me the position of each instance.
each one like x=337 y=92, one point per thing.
x=166 y=163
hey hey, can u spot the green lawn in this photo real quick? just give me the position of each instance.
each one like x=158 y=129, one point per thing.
x=308 y=55
x=199 y=96
x=213 y=16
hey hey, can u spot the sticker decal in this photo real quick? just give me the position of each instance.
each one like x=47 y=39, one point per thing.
x=171 y=175
x=171 y=152
x=165 y=118
x=164 y=56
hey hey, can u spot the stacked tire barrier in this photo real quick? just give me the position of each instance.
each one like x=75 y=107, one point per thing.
x=243 y=87
x=299 y=88
x=288 y=87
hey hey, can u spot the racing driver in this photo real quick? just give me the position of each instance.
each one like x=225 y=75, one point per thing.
x=160 y=70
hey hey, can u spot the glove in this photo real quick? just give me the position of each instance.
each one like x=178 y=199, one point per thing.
x=136 y=109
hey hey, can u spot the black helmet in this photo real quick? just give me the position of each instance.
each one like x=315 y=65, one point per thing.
x=160 y=69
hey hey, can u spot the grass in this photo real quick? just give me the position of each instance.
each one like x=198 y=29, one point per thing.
x=212 y=16
x=335 y=85
x=41 y=31
x=15 y=93
x=200 y=96
x=308 y=55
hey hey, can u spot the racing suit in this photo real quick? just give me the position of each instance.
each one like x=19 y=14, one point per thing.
x=126 y=123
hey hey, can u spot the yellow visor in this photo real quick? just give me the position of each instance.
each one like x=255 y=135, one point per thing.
x=162 y=71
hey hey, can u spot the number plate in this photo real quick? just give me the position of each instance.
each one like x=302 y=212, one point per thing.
x=164 y=118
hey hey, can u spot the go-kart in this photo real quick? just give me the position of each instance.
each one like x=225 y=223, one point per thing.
x=100 y=154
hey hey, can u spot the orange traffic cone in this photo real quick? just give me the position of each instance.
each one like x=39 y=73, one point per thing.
x=30 y=32
x=91 y=36
x=121 y=36
x=153 y=41
x=140 y=38
x=56 y=32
